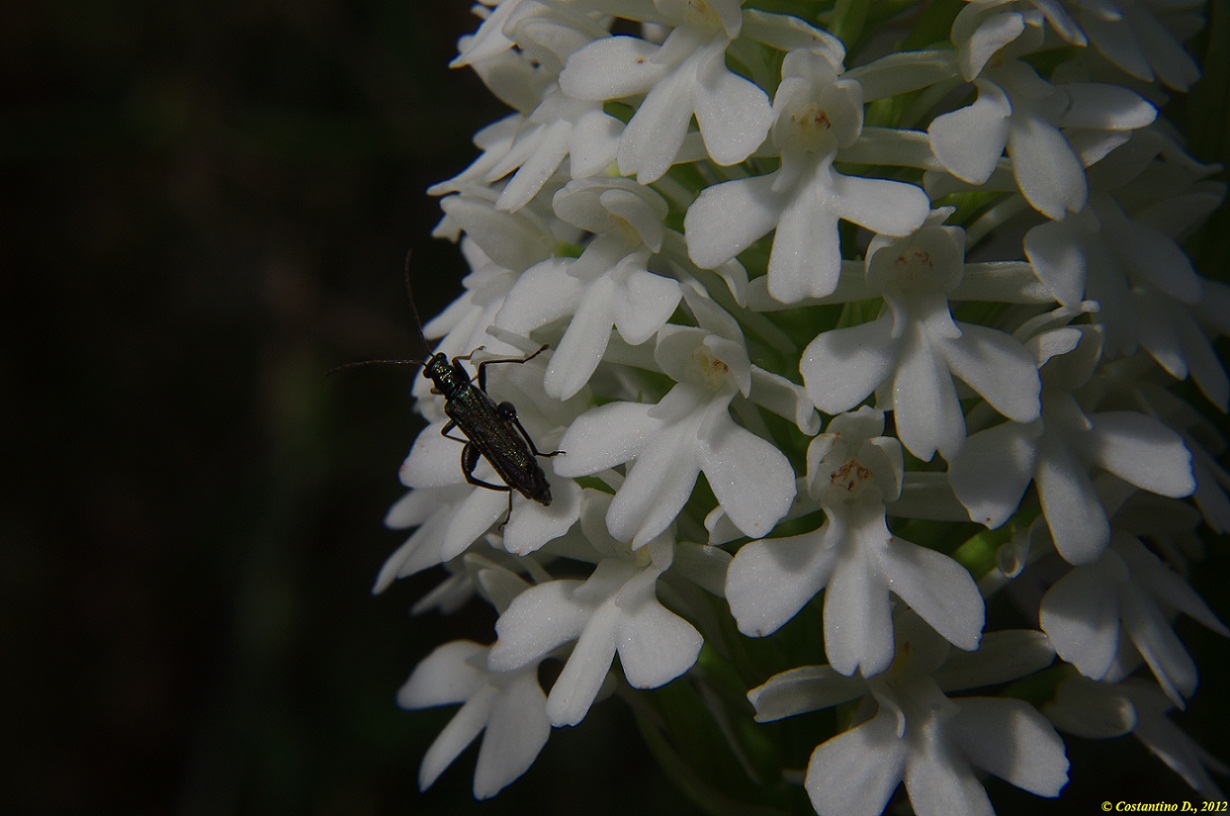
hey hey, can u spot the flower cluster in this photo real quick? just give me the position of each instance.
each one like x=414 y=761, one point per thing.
x=947 y=235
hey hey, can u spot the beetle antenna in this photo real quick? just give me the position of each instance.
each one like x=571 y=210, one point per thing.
x=361 y=363
x=418 y=324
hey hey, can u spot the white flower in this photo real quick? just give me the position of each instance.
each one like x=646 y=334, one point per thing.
x=608 y=285
x=1018 y=110
x=559 y=128
x=852 y=472
x=1056 y=452
x=1206 y=444
x=514 y=241
x=1102 y=710
x=614 y=610
x=669 y=444
x=815 y=113
x=490 y=39
x=508 y=706
x=919 y=736
x=986 y=231
x=432 y=511
x=1143 y=282
x=1129 y=34
x=685 y=75
x=1125 y=595
x=913 y=350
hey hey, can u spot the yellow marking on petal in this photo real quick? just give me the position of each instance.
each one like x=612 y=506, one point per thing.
x=712 y=369
x=811 y=125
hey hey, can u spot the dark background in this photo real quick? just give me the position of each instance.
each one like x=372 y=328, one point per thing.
x=205 y=207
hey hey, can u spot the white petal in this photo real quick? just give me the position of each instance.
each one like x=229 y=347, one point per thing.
x=1057 y=256
x=1140 y=450
x=997 y=367
x=543 y=293
x=656 y=488
x=655 y=645
x=703 y=564
x=1150 y=255
x=604 y=437
x=1157 y=579
x=1091 y=709
x=510 y=239
x=653 y=137
x=611 y=68
x=472 y=517
x=595 y=141
x=412 y=509
x=855 y=773
x=643 y=303
x=798 y=691
x=532 y=525
x=926 y=410
x=806 y=256
x=733 y=113
x=1002 y=656
x=768 y=582
x=1113 y=36
x=466 y=724
x=903 y=71
x=1176 y=749
x=1080 y=614
x=881 y=205
x=550 y=149
x=940 y=590
x=1159 y=332
x=1073 y=512
x=727 y=218
x=970 y=141
x=993 y=469
x=433 y=460
x=940 y=782
x=580 y=349
x=1159 y=646
x=419 y=552
x=992 y=32
x=1173 y=65
x=1204 y=364
x=1046 y=168
x=538 y=620
x=517 y=729
x=858 y=626
x=447 y=675
x=1103 y=106
x=842 y=366
x=1013 y=741
x=578 y=684
x=751 y=478
x=781 y=396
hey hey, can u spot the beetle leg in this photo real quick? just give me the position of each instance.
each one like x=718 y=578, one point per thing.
x=444 y=433
x=508 y=412
x=526 y=436
x=482 y=367
x=468 y=356
x=469 y=461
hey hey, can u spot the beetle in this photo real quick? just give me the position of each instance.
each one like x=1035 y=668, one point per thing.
x=491 y=430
